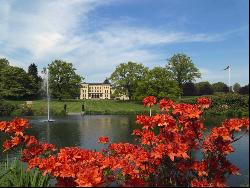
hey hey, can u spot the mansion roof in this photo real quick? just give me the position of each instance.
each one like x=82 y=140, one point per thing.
x=106 y=81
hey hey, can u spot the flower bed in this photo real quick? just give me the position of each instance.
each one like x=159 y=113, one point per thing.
x=159 y=159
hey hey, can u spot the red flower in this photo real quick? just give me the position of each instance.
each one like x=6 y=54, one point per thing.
x=204 y=102
x=103 y=140
x=200 y=168
x=149 y=101
x=3 y=125
x=30 y=140
x=166 y=104
x=7 y=145
x=199 y=183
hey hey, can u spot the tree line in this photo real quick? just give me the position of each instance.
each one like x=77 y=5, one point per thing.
x=177 y=78
x=16 y=83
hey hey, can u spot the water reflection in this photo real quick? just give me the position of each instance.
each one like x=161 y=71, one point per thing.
x=84 y=131
x=92 y=127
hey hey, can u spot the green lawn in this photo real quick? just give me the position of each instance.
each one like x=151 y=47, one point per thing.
x=237 y=104
x=39 y=107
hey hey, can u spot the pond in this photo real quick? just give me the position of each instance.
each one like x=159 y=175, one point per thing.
x=84 y=131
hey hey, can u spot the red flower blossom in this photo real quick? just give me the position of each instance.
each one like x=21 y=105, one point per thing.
x=149 y=101
x=204 y=102
x=200 y=183
x=166 y=104
x=7 y=145
x=200 y=168
x=103 y=140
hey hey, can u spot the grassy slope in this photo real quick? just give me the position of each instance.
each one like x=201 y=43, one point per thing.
x=39 y=107
x=74 y=106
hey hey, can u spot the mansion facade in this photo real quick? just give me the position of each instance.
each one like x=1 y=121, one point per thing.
x=99 y=91
x=95 y=90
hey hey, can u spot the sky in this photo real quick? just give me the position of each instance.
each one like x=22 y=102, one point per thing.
x=98 y=35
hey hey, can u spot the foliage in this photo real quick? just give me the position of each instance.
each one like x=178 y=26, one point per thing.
x=230 y=104
x=220 y=87
x=161 y=158
x=16 y=175
x=126 y=76
x=157 y=82
x=231 y=100
x=236 y=87
x=204 y=88
x=64 y=83
x=3 y=63
x=6 y=108
x=36 y=81
x=182 y=68
x=189 y=89
x=244 y=90
x=14 y=83
x=26 y=110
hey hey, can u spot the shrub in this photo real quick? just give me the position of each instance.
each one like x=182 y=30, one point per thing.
x=6 y=108
x=244 y=90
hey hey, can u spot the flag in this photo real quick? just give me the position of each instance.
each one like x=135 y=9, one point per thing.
x=227 y=67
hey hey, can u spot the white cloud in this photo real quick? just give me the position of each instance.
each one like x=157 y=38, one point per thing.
x=48 y=30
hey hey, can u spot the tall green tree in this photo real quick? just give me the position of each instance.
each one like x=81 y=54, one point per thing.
x=32 y=71
x=183 y=69
x=64 y=83
x=236 y=87
x=159 y=83
x=126 y=76
x=15 y=83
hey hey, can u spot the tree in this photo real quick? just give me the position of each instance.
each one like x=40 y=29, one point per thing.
x=244 y=90
x=3 y=63
x=220 y=87
x=189 y=89
x=126 y=76
x=36 y=80
x=157 y=82
x=182 y=68
x=14 y=83
x=204 y=88
x=236 y=87
x=32 y=71
x=63 y=81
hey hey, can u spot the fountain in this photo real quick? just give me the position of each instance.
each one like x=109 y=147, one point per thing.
x=48 y=95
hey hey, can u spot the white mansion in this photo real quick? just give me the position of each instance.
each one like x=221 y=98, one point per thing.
x=98 y=91
x=95 y=90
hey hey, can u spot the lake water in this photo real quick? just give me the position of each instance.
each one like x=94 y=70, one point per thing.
x=84 y=131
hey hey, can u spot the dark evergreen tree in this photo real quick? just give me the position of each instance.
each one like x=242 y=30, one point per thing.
x=36 y=81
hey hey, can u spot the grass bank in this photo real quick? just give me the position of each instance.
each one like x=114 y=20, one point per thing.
x=232 y=105
x=39 y=107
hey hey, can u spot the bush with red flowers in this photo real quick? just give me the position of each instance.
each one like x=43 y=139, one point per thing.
x=159 y=159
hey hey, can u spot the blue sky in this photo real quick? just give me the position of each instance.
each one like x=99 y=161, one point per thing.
x=97 y=35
